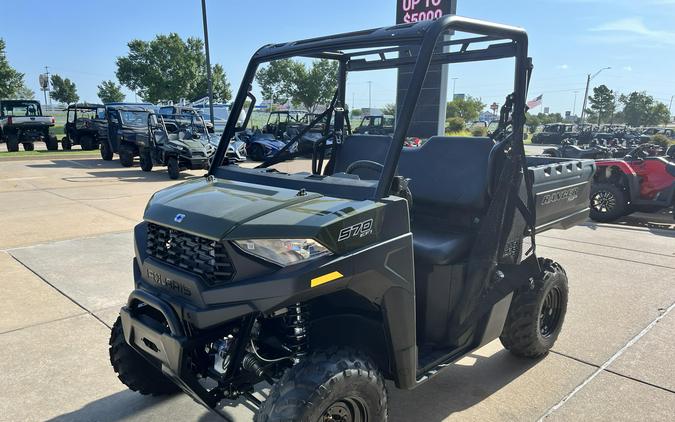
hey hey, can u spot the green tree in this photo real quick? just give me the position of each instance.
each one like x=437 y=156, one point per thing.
x=110 y=92
x=315 y=85
x=641 y=109
x=10 y=80
x=602 y=103
x=275 y=80
x=23 y=93
x=468 y=108
x=169 y=69
x=286 y=79
x=356 y=112
x=63 y=90
x=389 y=109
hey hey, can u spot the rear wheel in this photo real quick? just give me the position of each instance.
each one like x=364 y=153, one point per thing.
x=66 y=144
x=537 y=313
x=106 y=152
x=339 y=385
x=12 y=143
x=126 y=157
x=133 y=370
x=87 y=142
x=52 y=143
x=28 y=146
x=608 y=202
x=257 y=153
x=145 y=159
x=172 y=168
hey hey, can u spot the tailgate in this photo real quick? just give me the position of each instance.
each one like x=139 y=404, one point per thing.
x=31 y=121
x=562 y=189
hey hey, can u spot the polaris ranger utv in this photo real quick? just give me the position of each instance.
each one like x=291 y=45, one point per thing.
x=22 y=122
x=383 y=262
x=124 y=131
x=177 y=142
x=83 y=123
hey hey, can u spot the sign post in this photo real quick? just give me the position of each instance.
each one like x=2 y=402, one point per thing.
x=429 y=115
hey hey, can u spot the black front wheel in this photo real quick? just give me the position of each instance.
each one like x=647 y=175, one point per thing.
x=87 y=143
x=133 y=370
x=173 y=168
x=52 y=143
x=28 y=146
x=106 y=152
x=145 y=159
x=608 y=202
x=257 y=153
x=66 y=144
x=537 y=313
x=339 y=385
x=126 y=157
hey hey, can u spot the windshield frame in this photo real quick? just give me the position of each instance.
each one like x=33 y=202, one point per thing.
x=424 y=36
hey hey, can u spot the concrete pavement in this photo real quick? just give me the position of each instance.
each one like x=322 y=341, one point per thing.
x=65 y=252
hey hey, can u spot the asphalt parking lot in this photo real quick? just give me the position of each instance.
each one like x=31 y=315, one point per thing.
x=65 y=265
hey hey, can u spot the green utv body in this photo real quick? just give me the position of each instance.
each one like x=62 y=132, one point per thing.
x=383 y=263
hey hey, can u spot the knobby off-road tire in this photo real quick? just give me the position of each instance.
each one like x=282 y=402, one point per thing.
x=133 y=370
x=106 y=152
x=145 y=159
x=12 y=143
x=173 y=168
x=537 y=313
x=28 y=146
x=126 y=157
x=608 y=202
x=334 y=383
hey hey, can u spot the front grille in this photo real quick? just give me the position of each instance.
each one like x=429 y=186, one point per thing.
x=205 y=258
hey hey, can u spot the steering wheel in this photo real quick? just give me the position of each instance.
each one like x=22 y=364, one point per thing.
x=366 y=164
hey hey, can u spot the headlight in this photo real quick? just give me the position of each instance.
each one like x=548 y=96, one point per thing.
x=283 y=252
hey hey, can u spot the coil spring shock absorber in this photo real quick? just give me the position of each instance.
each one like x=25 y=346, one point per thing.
x=296 y=337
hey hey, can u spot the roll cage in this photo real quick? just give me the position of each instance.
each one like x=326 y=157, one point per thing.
x=416 y=44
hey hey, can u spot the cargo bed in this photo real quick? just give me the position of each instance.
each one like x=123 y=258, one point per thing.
x=561 y=189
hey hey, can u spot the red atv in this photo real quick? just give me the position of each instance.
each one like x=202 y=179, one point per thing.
x=644 y=180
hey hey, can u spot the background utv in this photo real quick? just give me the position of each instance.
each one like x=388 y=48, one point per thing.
x=326 y=284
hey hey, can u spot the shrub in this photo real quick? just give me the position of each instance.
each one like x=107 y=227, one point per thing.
x=454 y=124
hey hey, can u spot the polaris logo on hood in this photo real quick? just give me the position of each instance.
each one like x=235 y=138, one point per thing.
x=179 y=218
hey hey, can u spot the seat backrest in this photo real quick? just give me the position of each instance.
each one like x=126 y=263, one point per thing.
x=449 y=172
x=362 y=147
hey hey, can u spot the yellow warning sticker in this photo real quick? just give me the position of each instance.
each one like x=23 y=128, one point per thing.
x=326 y=278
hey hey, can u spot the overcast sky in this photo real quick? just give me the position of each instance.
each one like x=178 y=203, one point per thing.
x=568 y=39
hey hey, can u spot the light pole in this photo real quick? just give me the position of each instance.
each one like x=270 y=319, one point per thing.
x=370 y=86
x=208 y=61
x=574 y=108
x=588 y=83
x=454 y=85
x=670 y=108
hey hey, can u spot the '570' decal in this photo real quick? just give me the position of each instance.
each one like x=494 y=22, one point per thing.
x=361 y=229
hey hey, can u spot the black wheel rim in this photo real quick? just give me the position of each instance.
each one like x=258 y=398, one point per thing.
x=349 y=409
x=551 y=310
x=603 y=201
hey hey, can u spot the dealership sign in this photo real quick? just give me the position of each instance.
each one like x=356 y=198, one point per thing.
x=421 y=10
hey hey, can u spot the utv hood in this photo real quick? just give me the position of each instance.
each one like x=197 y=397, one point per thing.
x=213 y=209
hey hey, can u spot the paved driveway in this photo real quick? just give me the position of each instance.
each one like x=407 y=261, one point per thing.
x=65 y=265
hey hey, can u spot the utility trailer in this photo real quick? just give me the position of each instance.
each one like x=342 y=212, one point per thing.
x=382 y=263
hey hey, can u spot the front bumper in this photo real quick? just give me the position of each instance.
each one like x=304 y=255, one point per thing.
x=165 y=347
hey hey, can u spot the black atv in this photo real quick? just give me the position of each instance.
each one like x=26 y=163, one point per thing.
x=569 y=149
x=124 y=131
x=83 y=125
x=383 y=263
x=176 y=141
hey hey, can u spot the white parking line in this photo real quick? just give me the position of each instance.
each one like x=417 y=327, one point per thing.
x=606 y=364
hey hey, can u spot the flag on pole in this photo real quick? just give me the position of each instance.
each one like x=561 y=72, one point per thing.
x=536 y=102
